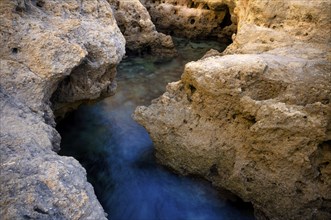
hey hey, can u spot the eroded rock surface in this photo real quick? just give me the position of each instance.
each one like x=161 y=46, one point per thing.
x=256 y=120
x=36 y=183
x=67 y=50
x=193 y=18
x=141 y=36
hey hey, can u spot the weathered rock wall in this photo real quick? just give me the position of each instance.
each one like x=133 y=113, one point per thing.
x=194 y=18
x=256 y=120
x=141 y=36
x=36 y=183
x=67 y=50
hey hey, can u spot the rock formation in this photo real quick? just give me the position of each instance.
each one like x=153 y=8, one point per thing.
x=67 y=50
x=141 y=36
x=256 y=120
x=193 y=18
x=36 y=183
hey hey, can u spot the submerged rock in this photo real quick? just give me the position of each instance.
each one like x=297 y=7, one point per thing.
x=67 y=50
x=256 y=120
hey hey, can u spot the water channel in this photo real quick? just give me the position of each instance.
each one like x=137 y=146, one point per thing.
x=118 y=153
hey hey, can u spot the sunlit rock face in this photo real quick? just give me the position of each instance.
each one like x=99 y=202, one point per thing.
x=67 y=50
x=193 y=18
x=141 y=36
x=46 y=42
x=256 y=119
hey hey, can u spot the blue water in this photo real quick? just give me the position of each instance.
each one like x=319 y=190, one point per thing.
x=118 y=153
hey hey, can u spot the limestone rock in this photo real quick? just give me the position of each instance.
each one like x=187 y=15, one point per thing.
x=79 y=44
x=44 y=43
x=67 y=51
x=256 y=120
x=135 y=23
x=193 y=18
x=36 y=183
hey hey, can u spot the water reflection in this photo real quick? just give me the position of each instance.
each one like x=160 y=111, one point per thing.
x=118 y=153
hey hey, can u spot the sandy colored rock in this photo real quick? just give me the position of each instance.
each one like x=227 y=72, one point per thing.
x=141 y=36
x=193 y=18
x=36 y=183
x=67 y=51
x=53 y=46
x=257 y=119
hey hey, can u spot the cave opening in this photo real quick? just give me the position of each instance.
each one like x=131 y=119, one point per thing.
x=227 y=18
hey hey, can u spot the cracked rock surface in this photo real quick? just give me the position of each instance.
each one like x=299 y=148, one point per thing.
x=194 y=18
x=139 y=31
x=256 y=120
x=67 y=51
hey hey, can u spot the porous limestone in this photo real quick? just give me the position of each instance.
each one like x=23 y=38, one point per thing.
x=194 y=18
x=66 y=51
x=141 y=36
x=256 y=120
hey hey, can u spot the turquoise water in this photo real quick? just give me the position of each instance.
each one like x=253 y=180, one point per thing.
x=118 y=153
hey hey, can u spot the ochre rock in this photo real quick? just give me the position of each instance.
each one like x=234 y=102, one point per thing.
x=256 y=120
x=67 y=51
x=193 y=18
x=141 y=36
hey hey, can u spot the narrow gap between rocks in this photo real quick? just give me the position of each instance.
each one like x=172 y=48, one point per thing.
x=119 y=155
